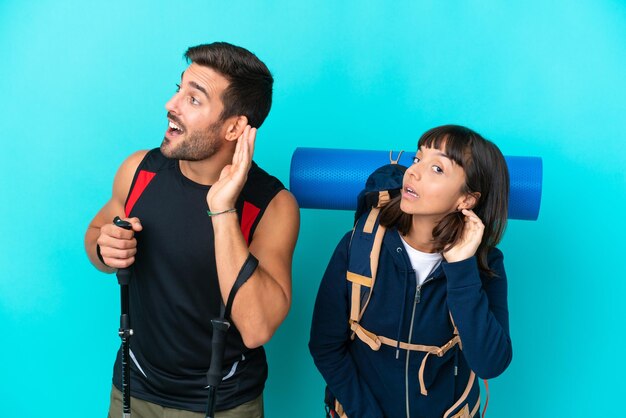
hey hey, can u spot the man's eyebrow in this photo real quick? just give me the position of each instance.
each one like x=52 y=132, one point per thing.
x=198 y=87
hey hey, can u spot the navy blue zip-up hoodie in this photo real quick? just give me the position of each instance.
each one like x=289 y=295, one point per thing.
x=372 y=383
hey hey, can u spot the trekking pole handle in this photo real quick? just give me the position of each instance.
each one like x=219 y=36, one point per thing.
x=214 y=375
x=218 y=342
x=123 y=274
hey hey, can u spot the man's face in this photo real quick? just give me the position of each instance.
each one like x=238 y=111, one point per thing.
x=195 y=131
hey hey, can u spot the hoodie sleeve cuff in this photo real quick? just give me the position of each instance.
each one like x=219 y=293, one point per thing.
x=461 y=274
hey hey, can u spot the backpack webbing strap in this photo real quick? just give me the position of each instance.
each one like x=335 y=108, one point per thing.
x=462 y=413
x=370 y=222
x=383 y=198
x=358 y=280
x=376 y=341
x=339 y=410
x=375 y=255
x=455 y=331
x=475 y=409
x=466 y=392
x=355 y=303
x=487 y=398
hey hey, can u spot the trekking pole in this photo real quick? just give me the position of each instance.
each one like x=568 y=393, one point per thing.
x=123 y=278
x=214 y=375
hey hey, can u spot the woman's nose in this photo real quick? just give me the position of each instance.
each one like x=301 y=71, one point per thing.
x=414 y=171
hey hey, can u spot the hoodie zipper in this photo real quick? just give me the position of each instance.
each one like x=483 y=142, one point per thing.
x=416 y=301
x=418 y=290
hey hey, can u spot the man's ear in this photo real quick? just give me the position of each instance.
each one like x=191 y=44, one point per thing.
x=235 y=126
x=469 y=201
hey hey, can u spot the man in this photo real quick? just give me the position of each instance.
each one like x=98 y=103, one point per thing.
x=198 y=206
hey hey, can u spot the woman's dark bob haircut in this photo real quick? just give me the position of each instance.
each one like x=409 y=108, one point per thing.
x=486 y=173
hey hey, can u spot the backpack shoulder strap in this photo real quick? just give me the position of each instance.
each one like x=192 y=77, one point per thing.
x=364 y=253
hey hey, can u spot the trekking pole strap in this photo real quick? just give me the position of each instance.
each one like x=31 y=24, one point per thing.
x=245 y=273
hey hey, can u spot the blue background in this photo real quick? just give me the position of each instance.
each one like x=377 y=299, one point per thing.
x=83 y=85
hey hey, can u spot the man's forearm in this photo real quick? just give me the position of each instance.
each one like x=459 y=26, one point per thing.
x=260 y=304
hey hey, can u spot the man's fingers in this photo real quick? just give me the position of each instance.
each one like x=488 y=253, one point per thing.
x=119 y=257
x=117 y=232
x=117 y=253
x=247 y=149
x=114 y=233
x=236 y=155
x=119 y=263
x=252 y=141
x=117 y=243
x=135 y=223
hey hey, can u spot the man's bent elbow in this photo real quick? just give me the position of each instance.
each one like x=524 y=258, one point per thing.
x=257 y=337
x=258 y=334
x=259 y=328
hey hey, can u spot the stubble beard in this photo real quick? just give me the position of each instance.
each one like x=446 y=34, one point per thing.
x=199 y=145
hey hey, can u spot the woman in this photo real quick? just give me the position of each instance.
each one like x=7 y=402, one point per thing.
x=437 y=316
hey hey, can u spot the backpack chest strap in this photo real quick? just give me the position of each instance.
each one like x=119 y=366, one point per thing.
x=376 y=341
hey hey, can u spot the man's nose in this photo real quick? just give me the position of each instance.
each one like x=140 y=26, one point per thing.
x=172 y=104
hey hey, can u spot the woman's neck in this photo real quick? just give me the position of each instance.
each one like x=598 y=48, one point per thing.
x=420 y=234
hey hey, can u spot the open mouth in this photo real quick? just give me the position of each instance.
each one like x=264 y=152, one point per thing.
x=174 y=129
x=408 y=190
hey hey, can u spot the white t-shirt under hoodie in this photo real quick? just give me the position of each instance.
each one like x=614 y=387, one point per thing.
x=423 y=263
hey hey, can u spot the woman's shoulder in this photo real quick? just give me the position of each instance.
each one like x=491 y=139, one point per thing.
x=495 y=260
x=494 y=254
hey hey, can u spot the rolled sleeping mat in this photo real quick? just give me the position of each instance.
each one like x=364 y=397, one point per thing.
x=326 y=178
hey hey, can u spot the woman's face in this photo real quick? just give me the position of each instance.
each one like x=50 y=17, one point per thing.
x=433 y=185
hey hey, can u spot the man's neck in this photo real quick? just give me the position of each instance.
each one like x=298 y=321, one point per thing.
x=207 y=171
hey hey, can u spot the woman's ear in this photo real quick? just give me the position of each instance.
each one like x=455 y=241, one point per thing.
x=235 y=126
x=469 y=201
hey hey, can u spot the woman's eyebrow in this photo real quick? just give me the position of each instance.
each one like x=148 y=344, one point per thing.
x=443 y=154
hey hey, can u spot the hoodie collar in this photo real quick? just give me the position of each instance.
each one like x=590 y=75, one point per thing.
x=393 y=244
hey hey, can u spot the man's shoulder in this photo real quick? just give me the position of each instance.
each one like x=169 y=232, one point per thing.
x=153 y=160
x=150 y=161
x=257 y=172
x=261 y=184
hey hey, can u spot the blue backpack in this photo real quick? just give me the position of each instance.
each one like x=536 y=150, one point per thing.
x=382 y=185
